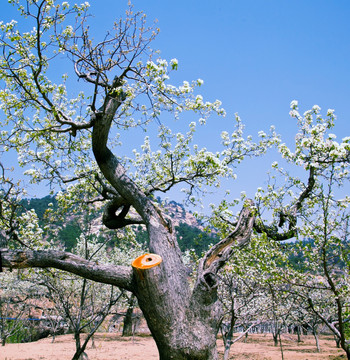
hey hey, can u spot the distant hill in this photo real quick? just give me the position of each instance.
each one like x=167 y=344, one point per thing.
x=190 y=232
x=40 y=205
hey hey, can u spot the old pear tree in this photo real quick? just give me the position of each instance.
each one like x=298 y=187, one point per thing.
x=72 y=138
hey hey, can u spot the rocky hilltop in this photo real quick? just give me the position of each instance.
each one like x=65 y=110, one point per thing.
x=191 y=234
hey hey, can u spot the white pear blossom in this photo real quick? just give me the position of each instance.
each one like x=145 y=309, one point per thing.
x=294 y=105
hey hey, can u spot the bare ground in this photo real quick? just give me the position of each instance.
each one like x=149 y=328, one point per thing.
x=112 y=346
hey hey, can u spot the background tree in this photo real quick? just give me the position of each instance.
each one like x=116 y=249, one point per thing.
x=323 y=265
x=245 y=283
x=12 y=310
x=128 y=324
x=327 y=259
x=20 y=305
x=240 y=304
x=83 y=304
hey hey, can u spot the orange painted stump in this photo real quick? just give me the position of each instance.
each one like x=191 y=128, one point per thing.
x=146 y=261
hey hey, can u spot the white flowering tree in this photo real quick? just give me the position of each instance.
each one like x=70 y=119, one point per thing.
x=13 y=308
x=303 y=316
x=72 y=139
x=324 y=285
x=241 y=298
x=244 y=289
x=313 y=207
x=84 y=304
x=324 y=221
x=10 y=196
x=18 y=305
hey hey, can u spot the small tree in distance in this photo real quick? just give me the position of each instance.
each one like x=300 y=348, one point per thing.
x=69 y=140
x=13 y=308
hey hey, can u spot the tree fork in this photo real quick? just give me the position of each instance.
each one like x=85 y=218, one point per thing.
x=183 y=322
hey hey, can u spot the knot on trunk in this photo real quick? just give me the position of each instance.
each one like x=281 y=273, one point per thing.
x=112 y=220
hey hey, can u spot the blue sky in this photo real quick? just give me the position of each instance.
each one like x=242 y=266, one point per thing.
x=256 y=56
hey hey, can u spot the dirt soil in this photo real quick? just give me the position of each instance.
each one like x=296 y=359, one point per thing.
x=112 y=346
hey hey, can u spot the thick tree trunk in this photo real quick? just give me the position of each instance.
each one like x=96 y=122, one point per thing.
x=183 y=324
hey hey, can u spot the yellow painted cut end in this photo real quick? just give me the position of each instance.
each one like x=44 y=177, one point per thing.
x=146 y=261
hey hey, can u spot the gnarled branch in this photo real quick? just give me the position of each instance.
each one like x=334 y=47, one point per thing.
x=120 y=276
x=220 y=253
x=289 y=215
x=114 y=221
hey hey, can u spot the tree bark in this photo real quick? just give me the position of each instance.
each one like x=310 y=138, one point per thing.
x=182 y=327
